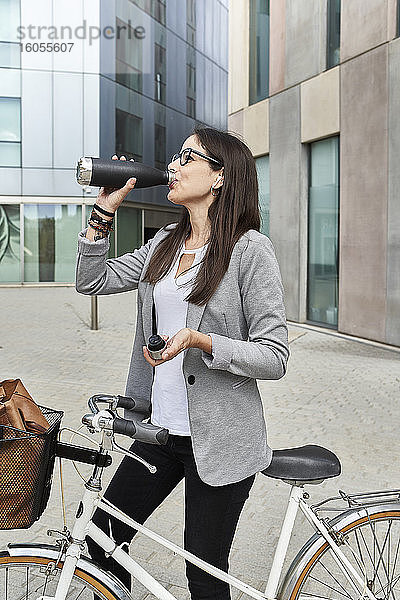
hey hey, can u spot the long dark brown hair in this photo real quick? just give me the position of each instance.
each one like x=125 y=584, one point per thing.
x=233 y=212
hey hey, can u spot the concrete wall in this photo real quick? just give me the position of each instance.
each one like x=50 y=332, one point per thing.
x=277 y=46
x=320 y=106
x=305 y=39
x=256 y=127
x=238 y=78
x=288 y=169
x=364 y=25
x=252 y=125
x=393 y=215
x=363 y=195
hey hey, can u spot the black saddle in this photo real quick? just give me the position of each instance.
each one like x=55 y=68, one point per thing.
x=307 y=464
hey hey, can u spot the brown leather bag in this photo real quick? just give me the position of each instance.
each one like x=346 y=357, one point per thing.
x=18 y=409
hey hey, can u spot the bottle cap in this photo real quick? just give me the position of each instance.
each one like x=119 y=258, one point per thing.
x=156 y=342
x=84 y=170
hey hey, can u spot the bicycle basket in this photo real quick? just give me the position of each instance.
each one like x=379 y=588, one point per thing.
x=26 y=470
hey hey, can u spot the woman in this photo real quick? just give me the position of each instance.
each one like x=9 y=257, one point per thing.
x=218 y=300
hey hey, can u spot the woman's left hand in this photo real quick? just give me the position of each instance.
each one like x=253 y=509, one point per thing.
x=179 y=342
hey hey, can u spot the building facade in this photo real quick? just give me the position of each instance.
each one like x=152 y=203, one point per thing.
x=314 y=88
x=95 y=78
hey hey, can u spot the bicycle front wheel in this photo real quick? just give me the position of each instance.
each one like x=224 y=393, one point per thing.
x=370 y=540
x=26 y=575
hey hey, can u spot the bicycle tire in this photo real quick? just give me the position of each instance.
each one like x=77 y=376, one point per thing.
x=374 y=535
x=26 y=568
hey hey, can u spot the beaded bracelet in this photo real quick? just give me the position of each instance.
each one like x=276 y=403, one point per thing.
x=95 y=217
x=99 y=226
x=103 y=212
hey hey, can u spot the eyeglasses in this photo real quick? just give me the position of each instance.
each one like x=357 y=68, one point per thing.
x=186 y=155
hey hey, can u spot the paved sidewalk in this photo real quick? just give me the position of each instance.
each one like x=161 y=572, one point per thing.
x=337 y=393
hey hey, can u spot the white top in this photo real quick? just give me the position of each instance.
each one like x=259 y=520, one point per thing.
x=169 y=395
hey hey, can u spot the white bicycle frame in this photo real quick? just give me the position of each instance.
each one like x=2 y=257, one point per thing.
x=93 y=499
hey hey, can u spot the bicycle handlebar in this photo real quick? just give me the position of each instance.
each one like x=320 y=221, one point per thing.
x=132 y=427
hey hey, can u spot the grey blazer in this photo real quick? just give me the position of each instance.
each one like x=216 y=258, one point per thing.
x=246 y=320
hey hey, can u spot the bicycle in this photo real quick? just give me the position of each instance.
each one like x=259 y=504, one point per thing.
x=355 y=555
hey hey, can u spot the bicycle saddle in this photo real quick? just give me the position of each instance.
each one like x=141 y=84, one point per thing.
x=307 y=464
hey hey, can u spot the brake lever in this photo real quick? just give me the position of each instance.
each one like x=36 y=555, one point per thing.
x=101 y=422
x=121 y=450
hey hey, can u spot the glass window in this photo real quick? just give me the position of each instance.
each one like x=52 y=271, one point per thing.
x=10 y=132
x=333 y=34
x=160 y=71
x=129 y=57
x=398 y=17
x=10 y=55
x=155 y=219
x=191 y=22
x=9 y=243
x=129 y=135
x=262 y=164
x=50 y=241
x=158 y=10
x=190 y=82
x=160 y=140
x=9 y=20
x=323 y=219
x=10 y=119
x=10 y=154
x=155 y=8
x=259 y=51
x=129 y=229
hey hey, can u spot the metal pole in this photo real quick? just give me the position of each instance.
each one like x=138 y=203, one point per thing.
x=94 y=317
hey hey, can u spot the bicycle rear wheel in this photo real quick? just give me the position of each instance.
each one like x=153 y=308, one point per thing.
x=370 y=539
x=29 y=577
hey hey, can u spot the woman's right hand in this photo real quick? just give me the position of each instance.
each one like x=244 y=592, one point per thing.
x=111 y=198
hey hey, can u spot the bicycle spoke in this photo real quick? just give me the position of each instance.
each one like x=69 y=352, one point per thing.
x=358 y=546
x=305 y=596
x=345 y=594
x=29 y=581
x=375 y=570
x=387 y=586
x=381 y=553
x=394 y=566
x=336 y=580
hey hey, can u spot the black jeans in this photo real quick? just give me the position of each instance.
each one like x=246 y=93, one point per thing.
x=211 y=513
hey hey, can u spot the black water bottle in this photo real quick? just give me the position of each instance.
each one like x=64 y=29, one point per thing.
x=156 y=346
x=103 y=172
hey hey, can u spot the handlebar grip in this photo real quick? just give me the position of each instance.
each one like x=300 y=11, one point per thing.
x=126 y=402
x=131 y=404
x=125 y=427
x=143 y=432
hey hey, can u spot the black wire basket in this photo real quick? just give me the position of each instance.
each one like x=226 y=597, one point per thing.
x=26 y=471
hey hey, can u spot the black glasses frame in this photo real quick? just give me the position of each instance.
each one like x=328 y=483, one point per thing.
x=183 y=160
